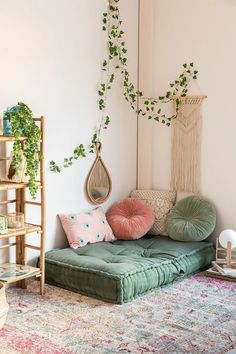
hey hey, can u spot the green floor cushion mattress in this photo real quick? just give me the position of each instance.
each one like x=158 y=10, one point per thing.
x=120 y=271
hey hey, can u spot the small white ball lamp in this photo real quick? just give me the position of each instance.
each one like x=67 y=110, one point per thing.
x=227 y=240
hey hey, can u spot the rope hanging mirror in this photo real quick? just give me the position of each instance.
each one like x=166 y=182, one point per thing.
x=98 y=183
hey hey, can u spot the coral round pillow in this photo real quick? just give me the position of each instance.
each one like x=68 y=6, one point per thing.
x=192 y=219
x=130 y=219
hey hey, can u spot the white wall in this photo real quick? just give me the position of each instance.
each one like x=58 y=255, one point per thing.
x=51 y=52
x=201 y=31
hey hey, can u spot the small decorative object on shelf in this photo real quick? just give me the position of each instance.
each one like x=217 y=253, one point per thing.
x=9 y=270
x=227 y=253
x=15 y=220
x=224 y=267
x=3 y=224
x=22 y=129
x=7 y=123
x=17 y=176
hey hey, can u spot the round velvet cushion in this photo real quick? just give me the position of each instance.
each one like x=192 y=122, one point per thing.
x=192 y=219
x=130 y=219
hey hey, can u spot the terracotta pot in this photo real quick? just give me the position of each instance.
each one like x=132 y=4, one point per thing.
x=4 y=307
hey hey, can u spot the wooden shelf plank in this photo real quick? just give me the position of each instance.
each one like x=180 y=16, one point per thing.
x=32 y=273
x=5 y=139
x=29 y=228
x=5 y=185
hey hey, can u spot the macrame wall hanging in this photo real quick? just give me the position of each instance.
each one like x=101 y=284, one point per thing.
x=186 y=145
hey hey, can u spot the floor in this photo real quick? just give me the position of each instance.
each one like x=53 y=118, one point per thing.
x=196 y=315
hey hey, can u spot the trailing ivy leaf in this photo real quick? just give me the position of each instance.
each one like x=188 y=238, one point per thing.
x=117 y=55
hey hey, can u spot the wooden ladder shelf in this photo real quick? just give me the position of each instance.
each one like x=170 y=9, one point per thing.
x=20 y=206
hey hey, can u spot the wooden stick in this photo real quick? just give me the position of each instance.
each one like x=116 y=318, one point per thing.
x=8 y=245
x=32 y=247
x=43 y=212
x=228 y=256
x=32 y=203
x=4 y=202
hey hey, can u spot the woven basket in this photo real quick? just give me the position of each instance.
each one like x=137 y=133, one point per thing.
x=4 y=307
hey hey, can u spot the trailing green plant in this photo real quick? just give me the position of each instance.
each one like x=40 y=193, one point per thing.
x=150 y=107
x=22 y=124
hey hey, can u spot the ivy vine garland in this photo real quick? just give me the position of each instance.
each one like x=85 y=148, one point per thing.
x=23 y=124
x=143 y=106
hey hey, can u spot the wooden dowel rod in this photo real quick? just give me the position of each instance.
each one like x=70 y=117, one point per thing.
x=3 y=202
x=7 y=245
x=32 y=203
x=32 y=247
x=43 y=213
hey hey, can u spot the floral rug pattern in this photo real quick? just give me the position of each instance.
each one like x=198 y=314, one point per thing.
x=196 y=315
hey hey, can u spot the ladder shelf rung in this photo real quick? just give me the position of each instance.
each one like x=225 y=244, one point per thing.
x=3 y=202
x=32 y=203
x=8 y=245
x=32 y=247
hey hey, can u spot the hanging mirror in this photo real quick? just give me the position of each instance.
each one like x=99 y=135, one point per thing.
x=98 y=184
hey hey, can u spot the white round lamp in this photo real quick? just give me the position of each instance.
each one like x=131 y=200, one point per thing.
x=228 y=236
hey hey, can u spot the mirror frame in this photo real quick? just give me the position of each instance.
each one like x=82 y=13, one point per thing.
x=97 y=160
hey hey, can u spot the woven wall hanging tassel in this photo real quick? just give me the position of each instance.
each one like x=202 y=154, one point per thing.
x=186 y=145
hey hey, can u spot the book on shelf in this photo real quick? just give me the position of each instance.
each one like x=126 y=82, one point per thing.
x=11 y=271
x=221 y=272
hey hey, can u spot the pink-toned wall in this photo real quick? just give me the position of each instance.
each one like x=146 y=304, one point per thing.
x=203 y=31
x=51 y=53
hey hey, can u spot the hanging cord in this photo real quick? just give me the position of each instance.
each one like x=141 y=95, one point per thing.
x=98 y=148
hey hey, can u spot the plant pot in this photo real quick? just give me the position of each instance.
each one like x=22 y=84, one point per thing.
x=4 y=307
x=7 y=127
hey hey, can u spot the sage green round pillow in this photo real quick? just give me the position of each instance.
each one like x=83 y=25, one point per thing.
x=192 y=219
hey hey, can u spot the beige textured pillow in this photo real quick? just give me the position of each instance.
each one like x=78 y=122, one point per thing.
x=161 y=201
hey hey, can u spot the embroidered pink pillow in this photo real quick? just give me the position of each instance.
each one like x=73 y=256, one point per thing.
x=130 y=219
x=86 y=228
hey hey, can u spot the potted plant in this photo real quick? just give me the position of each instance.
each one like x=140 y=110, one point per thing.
x=18 y=121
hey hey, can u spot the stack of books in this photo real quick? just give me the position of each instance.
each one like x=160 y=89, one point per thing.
x=221 y=271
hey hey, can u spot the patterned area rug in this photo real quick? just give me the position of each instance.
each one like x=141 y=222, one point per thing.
x=196 y=315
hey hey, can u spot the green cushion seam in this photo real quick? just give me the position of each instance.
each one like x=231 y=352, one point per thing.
x=102 y=273
x=117 y=277
x=88 y=270
x=85 y=293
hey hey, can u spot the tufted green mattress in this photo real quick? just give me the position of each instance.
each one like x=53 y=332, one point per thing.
x=118 y=272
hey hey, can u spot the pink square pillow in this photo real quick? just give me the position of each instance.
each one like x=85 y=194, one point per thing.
x=86 y=228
